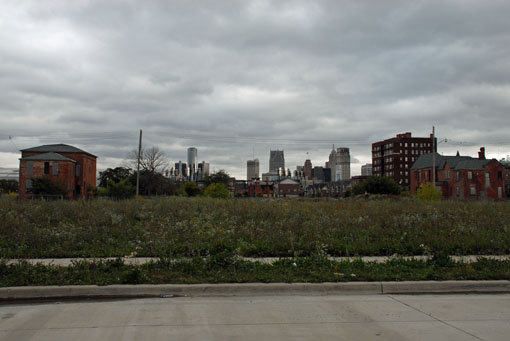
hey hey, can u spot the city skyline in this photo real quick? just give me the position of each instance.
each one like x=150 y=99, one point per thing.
x=237 y=79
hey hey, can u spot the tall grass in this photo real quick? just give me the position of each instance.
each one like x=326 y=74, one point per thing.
x=189 y=227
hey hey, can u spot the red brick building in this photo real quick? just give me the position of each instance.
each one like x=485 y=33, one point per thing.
x=261 y=189
x=288 y=188
x=71 y=168
x=394 y=157
x=461 y=177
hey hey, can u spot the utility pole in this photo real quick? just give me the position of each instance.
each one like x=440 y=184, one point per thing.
x=138 y=166
x=433 y=156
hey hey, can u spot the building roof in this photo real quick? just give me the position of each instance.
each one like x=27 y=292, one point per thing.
x=455 y=162
x=289 y=182
x=472 y=164
x=56 y=148
x=48 y=157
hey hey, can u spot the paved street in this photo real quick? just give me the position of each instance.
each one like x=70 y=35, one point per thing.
x=371 y=317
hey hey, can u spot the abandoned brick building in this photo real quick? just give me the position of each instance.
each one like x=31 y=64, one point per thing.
x=461 y=177
x=71 y=168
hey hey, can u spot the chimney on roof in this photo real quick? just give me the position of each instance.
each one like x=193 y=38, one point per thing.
x=458 y=154
x=481 y=153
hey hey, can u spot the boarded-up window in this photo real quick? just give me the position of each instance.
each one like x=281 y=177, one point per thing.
x=500 y=192
x=30 y=168
x=55 y=168
x=487 y=180
x=472 y=190
x=470 y=175
x=46 y=168
x=78 y=170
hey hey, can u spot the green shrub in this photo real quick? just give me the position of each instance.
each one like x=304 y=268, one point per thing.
x=45 y=186
x=428 y=192
x=216 y=190
x=377 y=185
x=189 y=189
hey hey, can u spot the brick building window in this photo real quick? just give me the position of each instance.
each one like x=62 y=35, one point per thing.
x=500 y=176
x=28 y=184
x=472 y=190
x=46 y=168
x=78 y=170
x=30 y=168
x=55 y=168
x=487 y=180
x=470 y=175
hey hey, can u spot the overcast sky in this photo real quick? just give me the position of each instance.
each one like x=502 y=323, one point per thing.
x=238 y=78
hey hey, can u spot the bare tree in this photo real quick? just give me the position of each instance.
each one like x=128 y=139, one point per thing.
x=153 y=164
x=152 y=160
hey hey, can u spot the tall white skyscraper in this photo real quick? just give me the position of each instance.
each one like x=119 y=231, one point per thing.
x=340 y=164
x=192 y=162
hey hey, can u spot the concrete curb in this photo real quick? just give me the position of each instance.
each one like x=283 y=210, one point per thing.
x=253 y=289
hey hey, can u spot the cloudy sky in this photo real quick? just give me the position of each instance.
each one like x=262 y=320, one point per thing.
x=238 y=78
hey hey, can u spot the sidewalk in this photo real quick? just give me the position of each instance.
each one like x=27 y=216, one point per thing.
x=332 y=317
x=267 y=260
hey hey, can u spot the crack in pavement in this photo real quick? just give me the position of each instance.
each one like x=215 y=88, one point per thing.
x=435 y=318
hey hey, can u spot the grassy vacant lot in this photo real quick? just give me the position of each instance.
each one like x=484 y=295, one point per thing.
x=182 y=227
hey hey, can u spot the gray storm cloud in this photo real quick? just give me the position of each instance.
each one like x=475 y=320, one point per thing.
x=238 y=78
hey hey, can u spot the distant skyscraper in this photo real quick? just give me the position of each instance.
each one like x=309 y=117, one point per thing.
x=307 y=169
x=318 y=173
x=366 y=170
x=340 y=164
x=252 y=169
x=192 y=162
x=203 y=171
x=181 y=169
x=276 y=160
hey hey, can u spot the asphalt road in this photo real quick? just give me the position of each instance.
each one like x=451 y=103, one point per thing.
x=368 y=317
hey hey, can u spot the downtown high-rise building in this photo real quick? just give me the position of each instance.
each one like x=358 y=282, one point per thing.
x=276 y=161
x=180 y=170
x=307 y=169
x=202 y=171
x=192 y=162
x=340 y=164
x=252 y=169
x=366 y=170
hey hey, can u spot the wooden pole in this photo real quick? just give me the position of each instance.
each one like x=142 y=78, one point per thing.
x=138 y=166
x=433 y=156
